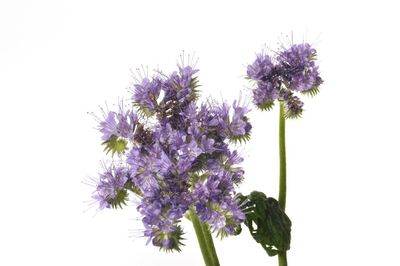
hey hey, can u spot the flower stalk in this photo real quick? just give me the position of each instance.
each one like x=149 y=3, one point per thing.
x=210 y=244
x=205 y=240
x=282 y=158
x=282 y=260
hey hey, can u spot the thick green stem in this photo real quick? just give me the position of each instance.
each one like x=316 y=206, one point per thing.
x=282 y=173
x=203 y=240
x=282 y=260
x=210 y=244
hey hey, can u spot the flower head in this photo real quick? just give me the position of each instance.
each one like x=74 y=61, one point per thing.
x=110 y=191
x=292 y=70
x=181 y=160
x=299 y=68
x=121 y=124
x=146 y=94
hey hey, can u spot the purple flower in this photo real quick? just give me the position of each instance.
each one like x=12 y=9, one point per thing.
x=239 y=125
x=146 y=94
x=298 y=63
x=294 y=106
x=180 y=87
x=294 y=69
x=265 y=92
x=110 y=190
x=178 y=158
x=262 y=68
x=121 y=124
x=109 y=126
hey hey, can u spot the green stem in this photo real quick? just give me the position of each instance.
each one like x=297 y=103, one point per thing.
x=282 y=260
x=282 y=173
x=282 y=159
x=198 y=228
x=210 y=244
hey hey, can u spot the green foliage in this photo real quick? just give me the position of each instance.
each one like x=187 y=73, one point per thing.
x=266 y=106
x=115 y=145
x=267 y=223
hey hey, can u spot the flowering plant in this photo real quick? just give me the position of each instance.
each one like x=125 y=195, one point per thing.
x=292 y=70
x=177 y=158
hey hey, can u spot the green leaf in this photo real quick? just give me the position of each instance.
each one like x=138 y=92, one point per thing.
x=115 y=145
x=267 y=223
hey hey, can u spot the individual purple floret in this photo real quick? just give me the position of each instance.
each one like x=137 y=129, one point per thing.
x=181 y=160
x=292 y=70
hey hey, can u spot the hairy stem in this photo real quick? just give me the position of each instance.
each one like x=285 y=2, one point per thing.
x=198 y=228
x=282 y=172
x=282 y=159
x=210 y=244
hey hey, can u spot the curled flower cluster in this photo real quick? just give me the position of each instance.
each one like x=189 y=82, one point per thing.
x=292 y=70
x=176 y=156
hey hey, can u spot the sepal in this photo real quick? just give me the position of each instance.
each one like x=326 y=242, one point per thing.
x=311 y=92
x=170 y=241
x=266 y=106
x=119 y=200
x=115 y=145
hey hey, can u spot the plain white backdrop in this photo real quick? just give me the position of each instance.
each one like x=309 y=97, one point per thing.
x=61 y=59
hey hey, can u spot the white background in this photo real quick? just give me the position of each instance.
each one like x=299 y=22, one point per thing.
x=60 y=60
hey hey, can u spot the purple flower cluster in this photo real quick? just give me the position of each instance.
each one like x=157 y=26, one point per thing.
x=110 y=188
x=121 y=124
x=178 y=157
x=292 y=70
